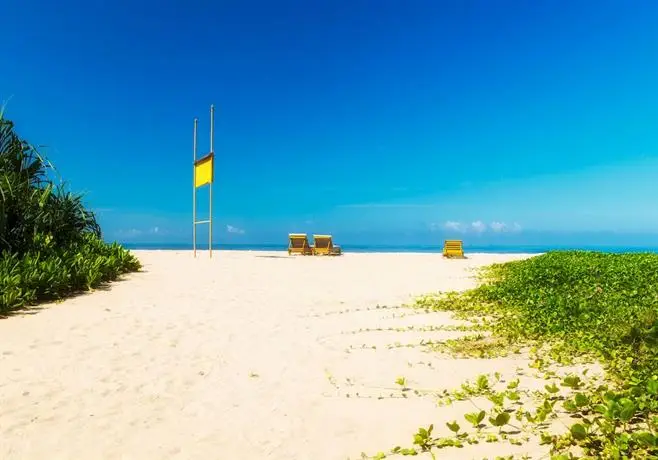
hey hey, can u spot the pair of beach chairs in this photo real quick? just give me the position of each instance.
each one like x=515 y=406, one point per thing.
x=323 y=245
x=453 y=249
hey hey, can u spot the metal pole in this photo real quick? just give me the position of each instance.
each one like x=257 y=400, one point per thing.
x=212 y=128
x=196 y=122
x=212 y=151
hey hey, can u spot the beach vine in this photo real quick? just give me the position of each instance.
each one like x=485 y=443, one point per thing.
x=562 y=308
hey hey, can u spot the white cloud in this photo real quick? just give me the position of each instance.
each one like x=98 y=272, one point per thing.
x=498 y=226
x=235 y=230
x=452 y=225
x=135 y=232
x=449 y=225
x=478 y=226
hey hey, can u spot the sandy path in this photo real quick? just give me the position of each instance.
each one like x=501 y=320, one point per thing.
x=232 y=358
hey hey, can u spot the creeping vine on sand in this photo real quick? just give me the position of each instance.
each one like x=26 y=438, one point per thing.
x=559 y=308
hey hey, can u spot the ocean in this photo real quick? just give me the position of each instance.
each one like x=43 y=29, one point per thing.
x=410 y=248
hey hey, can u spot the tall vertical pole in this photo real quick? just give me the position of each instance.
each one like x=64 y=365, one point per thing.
x=196 y=122
x=212 y=151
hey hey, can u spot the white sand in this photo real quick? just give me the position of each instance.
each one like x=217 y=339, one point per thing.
x=234 y=358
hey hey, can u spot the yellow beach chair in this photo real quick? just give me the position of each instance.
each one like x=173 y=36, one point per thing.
x=323 y=245
x=298 y=244
x=453 y=249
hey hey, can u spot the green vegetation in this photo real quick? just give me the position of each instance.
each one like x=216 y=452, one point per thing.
x=601 y=305
x=562 y=308
x=50 y=245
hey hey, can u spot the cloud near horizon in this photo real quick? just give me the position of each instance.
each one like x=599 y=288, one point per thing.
x=234 y=230
x=477 y=227
x=134 y=232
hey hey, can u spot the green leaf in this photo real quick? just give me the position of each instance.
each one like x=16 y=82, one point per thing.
x=482 y=382
x=500 y=420
x=645 y=438
x=627 y=409
x=581 y=400
x=601 y=409
x=497 y=398
x=475 y=418
x=572 y=381
x=551 y=388
x=512 y=385
x=570 y=406
x=578 y=432
x=652 y=387
x=513 y=395
x=453 y=426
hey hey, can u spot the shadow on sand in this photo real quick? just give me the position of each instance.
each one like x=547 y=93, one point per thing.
x=44 y=304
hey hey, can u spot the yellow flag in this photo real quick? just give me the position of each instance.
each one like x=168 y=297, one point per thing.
x=203 y=170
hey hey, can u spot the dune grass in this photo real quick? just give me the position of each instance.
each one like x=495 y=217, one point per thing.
x=50 y=244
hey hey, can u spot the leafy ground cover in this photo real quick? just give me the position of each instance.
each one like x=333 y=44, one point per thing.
x=50 y=244
x=564 y=307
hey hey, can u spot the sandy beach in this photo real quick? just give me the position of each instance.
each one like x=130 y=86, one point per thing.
x=250 y=355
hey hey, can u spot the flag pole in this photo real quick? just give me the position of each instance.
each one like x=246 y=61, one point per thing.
x=212 y=152
x=196 y=122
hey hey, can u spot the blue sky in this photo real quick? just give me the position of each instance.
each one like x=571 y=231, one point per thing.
x=383 y=120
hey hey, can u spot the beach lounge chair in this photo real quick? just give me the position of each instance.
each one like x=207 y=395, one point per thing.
x=323 y=245
x=298 y=244
x=453 y=249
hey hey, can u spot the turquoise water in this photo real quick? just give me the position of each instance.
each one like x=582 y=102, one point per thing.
x=412 y=248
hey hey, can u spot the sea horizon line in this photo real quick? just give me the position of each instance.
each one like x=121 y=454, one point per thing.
x=370 y=248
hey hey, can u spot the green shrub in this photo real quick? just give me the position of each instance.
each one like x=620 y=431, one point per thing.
x=50 y=245
x=54 y=273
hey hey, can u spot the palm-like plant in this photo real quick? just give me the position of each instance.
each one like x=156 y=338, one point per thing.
x=32 y=206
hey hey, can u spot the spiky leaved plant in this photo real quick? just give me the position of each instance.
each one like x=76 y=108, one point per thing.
x=33 y=206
